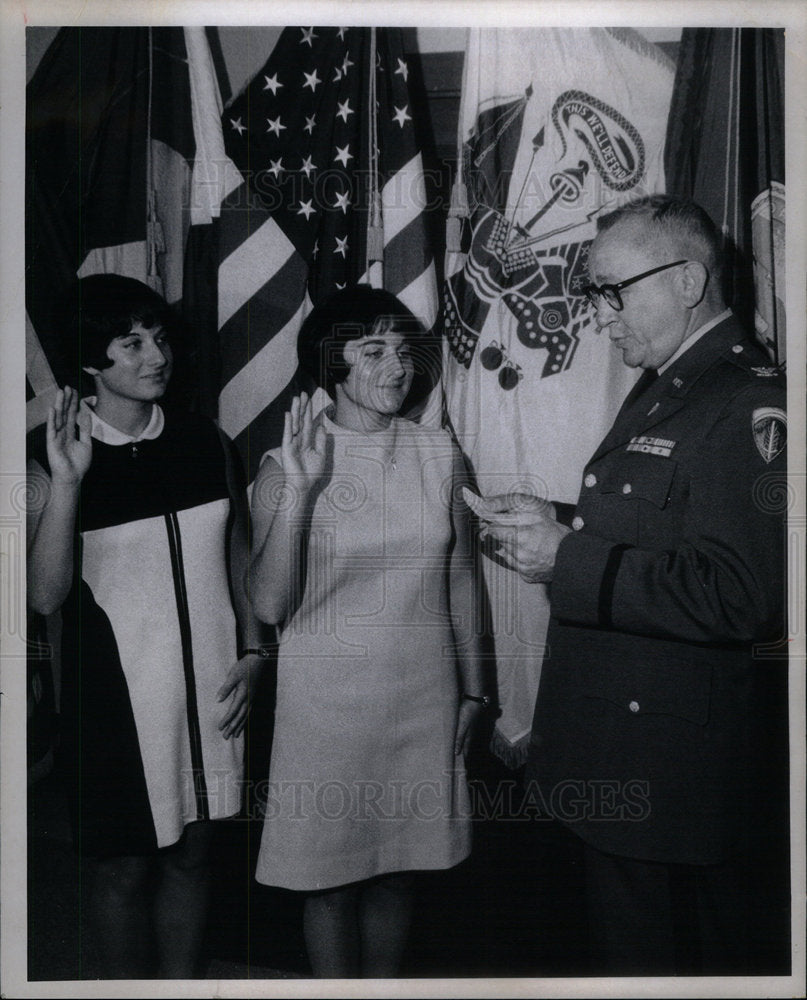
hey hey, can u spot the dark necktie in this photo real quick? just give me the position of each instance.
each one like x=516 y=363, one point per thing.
x=649 y=376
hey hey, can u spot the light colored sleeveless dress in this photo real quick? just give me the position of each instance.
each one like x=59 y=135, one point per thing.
x=363 y=777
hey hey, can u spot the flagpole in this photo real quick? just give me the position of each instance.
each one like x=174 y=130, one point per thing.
x=458 y=210
x=375 y=224
x=154 y=236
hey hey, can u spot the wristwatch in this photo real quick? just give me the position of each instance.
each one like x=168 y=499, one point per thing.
x=481 y=699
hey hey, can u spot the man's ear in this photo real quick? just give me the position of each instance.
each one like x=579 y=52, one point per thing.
x=693 y=281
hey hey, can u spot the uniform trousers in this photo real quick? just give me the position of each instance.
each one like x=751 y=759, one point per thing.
x=653 y=919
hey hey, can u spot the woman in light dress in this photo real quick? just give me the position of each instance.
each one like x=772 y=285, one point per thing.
x=362 y=556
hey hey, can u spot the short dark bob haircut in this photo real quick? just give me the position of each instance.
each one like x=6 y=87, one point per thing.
x=100 y=308
x=348 y=315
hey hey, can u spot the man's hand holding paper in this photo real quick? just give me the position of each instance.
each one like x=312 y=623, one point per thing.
x=525 y=529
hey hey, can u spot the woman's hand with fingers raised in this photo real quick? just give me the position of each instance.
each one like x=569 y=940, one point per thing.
x=69 y=456
x=303 y=452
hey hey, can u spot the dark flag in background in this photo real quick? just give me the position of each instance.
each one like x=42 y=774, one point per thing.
x=725 y=149
x=108 y=158
x=332 y=194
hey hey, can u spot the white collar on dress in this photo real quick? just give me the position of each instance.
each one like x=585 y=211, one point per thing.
x=102 y=431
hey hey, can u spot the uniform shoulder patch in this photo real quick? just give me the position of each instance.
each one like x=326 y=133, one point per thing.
x=769 y=426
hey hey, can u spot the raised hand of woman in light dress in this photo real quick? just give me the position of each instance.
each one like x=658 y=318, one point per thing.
x=283 y=493
x=69 y=456
x=303 y=452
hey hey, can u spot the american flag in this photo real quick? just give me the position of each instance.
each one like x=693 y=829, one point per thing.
x=332 y=193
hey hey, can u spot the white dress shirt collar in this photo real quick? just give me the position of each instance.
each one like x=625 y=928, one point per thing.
x=696 y=336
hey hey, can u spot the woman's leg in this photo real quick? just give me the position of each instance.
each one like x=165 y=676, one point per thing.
x=119 y=904
x=385 y=914
x=331 y=928
x=180 y=905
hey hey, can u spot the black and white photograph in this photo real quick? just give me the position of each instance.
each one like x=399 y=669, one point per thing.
x=403 y=499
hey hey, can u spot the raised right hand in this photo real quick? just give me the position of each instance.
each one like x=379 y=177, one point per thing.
x=69 y=456
x=303 y=453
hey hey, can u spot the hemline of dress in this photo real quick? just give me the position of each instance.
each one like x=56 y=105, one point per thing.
x=327 y=883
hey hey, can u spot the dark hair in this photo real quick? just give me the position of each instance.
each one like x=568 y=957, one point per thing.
x=349 y=315
x=679 y=221
x=97 y=309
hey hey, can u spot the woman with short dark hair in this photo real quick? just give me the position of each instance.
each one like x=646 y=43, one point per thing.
x=362 y=556
x=132 y=514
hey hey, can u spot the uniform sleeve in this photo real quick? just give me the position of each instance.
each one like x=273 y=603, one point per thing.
x=725 y=581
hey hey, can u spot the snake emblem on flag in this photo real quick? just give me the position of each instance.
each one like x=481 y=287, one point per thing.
x=557 y=127
x=517 y=262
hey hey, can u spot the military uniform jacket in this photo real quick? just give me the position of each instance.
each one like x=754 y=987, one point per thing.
x=660 y=598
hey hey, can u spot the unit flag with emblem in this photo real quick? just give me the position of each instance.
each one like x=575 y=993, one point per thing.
x=557 y=126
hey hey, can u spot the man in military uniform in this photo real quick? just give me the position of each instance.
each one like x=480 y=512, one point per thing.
x=663 y=590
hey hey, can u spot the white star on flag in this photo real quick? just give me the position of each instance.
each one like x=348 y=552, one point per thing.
x=275 y=126
x=343 y=154
x=401 y=115
x=344 y=110
x=311 y=80
x=301 y=242
x=403 y=69
x=236 y=124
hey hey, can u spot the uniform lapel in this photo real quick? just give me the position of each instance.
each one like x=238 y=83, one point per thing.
x=668 y=393
x=648 y=378
x=655 y=404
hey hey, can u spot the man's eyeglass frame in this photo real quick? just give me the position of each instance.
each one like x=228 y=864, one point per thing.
x=611 y=292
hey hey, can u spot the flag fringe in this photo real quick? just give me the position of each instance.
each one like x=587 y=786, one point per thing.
x=512 y=755
x=637 y=42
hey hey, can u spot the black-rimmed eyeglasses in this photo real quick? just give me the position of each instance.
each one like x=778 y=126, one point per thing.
x=611 y=292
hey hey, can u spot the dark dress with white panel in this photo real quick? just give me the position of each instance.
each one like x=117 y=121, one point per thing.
x=148 y=635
